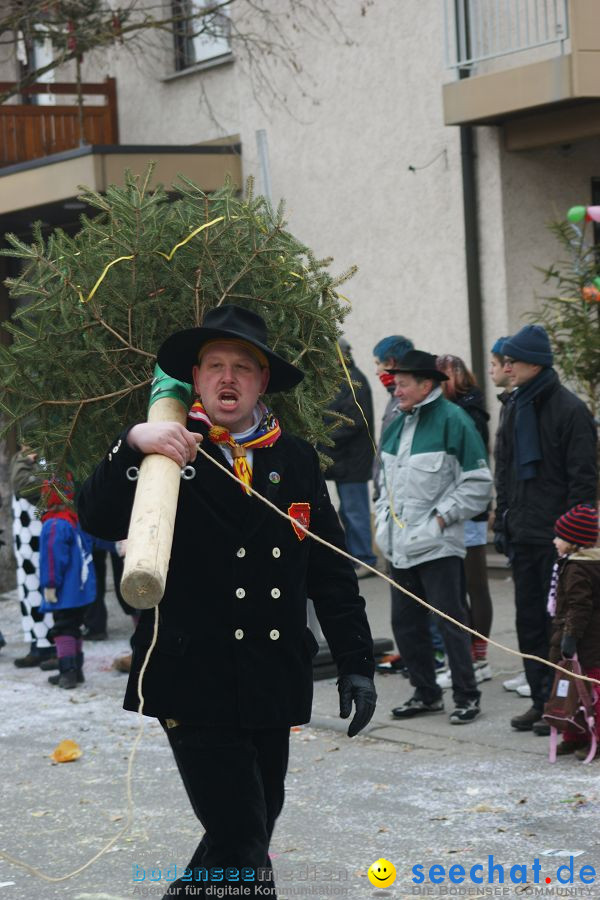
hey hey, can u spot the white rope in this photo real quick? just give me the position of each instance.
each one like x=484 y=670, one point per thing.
x=54 y=879
x=315 y=537
x=393 y=583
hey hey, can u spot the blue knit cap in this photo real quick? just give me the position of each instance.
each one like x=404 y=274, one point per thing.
x=392 y=347
x=497 y=348
x=531 y=344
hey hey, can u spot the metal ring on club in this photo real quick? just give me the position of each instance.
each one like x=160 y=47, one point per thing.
x=188 y=472
x=132 y=473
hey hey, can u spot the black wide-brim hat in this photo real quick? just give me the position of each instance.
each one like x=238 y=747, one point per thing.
x=179 y=353
x=418 y=362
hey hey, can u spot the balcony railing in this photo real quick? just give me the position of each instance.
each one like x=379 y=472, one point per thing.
x=31 y=132
x=479 y=30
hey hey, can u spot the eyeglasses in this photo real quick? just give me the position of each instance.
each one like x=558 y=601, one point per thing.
x=510 y=362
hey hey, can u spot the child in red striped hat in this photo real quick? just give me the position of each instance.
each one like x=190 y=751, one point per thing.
x=574 y=603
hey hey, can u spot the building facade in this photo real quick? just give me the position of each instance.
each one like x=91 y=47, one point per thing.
x=430 y=142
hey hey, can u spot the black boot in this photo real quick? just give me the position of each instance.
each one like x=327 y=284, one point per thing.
x=35 y=656
x=80 y=678
x=67 y=677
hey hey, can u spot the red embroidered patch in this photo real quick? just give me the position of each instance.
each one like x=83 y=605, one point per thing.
x=301 y=513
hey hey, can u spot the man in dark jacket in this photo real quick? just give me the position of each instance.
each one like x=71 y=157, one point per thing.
x=236 y=590
x=352 y=455
x=545 y=463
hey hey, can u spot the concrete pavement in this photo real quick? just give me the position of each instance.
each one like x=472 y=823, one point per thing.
x=421 y=793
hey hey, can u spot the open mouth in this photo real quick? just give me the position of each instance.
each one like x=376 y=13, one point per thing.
x=228 y=398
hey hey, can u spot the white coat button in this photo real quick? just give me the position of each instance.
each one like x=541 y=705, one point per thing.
x=275 y=593
x=240 y=593
x=276 y=552
x=239 y=634
x=274 y=634
x=241 y=552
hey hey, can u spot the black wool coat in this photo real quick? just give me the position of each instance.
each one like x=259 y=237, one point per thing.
x=567 y=473
x=352 y=453
x=233 y=645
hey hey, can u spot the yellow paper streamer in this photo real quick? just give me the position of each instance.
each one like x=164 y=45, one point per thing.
x=169 y=256
x=102 y=277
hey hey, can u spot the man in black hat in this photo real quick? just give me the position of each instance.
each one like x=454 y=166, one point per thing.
x=237 y=586
x=434 y=477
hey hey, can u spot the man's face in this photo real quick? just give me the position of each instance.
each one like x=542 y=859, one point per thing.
x=229 y=380
x=497 y=373
x=409 y=392
x=520 y=372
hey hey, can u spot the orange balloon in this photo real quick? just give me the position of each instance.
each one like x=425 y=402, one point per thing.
x=590 y=294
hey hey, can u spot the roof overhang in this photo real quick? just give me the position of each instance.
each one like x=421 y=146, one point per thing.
x=46 y=189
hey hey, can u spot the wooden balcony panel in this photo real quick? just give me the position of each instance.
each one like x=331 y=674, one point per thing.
x=32 y=132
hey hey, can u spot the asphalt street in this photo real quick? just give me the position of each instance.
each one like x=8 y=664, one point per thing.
x=419 y=795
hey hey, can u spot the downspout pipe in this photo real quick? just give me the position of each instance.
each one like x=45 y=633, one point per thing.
x=471 y=214
x=472 y=251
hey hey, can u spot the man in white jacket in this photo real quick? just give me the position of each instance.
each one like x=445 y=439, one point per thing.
x=434 y=476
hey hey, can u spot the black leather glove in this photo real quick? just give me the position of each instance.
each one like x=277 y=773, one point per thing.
x=362 y=690
x=568 y=646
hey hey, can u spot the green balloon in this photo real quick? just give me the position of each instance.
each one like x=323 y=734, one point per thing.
x=576 y=213
x=596 y=283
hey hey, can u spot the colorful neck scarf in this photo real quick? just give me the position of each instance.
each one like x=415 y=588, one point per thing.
x=266 y=433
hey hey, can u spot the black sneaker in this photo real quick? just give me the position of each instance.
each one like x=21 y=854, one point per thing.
x=416 y=707
x=466 y=712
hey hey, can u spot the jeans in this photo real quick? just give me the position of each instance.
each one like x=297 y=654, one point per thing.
x=441 y=583
x=532 y=571
x=355 y=516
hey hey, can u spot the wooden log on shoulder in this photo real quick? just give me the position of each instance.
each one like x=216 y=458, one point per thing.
x=153 y=518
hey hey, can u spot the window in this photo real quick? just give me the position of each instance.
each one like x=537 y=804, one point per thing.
x=199 y=36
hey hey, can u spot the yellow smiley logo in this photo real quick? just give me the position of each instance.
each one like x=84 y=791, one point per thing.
x=382 y=873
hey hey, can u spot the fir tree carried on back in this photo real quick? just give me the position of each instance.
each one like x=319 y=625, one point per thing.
x=83 y=356
x=101 y=303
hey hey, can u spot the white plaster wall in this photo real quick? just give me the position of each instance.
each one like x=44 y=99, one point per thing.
x=367 y=106
x=539 y=186
x=342 y=164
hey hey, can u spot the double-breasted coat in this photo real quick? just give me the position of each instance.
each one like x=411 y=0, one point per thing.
x=233 y=646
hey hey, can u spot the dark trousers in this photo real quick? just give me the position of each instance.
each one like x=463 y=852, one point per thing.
x=234 y=778
x=441 y=583
x=68 y=622
x=96 y=614
x=532 y=573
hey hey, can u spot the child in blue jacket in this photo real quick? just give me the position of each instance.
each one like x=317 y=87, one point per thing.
x=66 y=577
